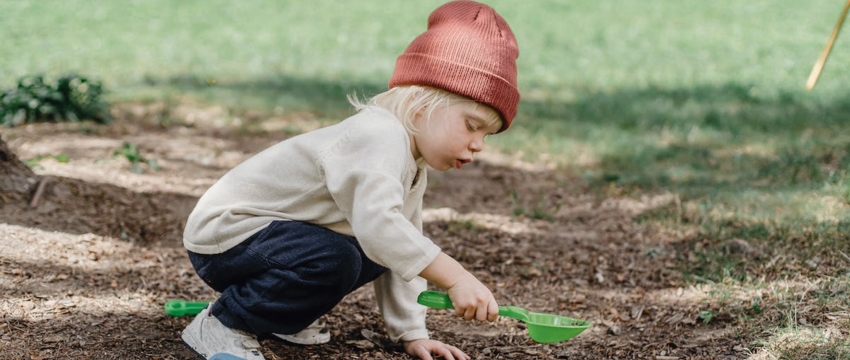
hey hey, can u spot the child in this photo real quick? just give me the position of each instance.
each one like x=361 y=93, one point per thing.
x=288 y=233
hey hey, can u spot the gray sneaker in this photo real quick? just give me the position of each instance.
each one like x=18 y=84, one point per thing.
x=207 y=336
x=316 y=333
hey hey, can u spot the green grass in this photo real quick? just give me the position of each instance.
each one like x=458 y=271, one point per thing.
x=794 y=343
x=704 y=99
x=261 y=55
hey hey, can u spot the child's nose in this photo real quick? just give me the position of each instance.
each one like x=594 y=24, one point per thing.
x=476 y=145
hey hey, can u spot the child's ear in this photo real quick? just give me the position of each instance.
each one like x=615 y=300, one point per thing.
x=419 y=114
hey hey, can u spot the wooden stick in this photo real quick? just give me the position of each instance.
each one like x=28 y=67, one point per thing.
x=813 y=77
x=38 y=191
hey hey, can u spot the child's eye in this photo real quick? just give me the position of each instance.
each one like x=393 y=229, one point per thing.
x=471 y=126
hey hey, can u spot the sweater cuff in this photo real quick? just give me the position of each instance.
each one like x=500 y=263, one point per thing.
x=413 y=270
x=414 y=335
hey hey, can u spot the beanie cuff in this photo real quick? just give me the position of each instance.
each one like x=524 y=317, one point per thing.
x=474 y=83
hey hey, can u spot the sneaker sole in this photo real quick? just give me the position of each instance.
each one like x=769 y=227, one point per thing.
x=193 y=349
x=299 y=341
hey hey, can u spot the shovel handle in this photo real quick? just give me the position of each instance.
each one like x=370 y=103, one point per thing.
x=441 y=300
x=435 y=300
x=182 y=307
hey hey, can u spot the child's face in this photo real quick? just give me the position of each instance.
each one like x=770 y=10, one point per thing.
x=452 y=134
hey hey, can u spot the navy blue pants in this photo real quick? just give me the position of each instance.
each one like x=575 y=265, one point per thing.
x=284 y=277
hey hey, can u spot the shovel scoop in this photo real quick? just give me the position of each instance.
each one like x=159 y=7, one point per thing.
x=542 y=328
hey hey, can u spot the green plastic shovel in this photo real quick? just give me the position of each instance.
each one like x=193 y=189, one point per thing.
x=542 y=328
x=182 y=307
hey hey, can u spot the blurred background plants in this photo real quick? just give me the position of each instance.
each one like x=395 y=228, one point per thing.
x=69 y=97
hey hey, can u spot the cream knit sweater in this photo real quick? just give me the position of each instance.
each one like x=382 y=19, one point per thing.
x=357 y=177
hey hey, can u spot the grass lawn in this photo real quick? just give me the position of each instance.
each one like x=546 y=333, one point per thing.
x=704 y=99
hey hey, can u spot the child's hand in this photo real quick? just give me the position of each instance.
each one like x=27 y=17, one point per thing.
x=423 y=348
x=472 y=300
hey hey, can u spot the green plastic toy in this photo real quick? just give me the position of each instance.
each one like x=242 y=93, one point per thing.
x=182 y=307
x=542 y=328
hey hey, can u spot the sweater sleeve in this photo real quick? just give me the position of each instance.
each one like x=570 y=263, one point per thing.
x=367 y=173
x=403 y=317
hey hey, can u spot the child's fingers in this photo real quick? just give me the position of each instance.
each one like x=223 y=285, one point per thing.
x=492 y=311
x=491 y=317
x=469 y=314
x=460 y=312
x=454 y=353
x=481 y=314
x=445 y=353
x=459 y=354
x=423 y=353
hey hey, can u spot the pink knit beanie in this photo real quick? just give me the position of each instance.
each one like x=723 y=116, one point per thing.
x=468 y=50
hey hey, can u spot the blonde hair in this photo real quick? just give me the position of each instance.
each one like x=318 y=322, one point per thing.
x=408 y=100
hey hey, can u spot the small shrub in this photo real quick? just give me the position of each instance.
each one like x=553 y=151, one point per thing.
x=706 y=316
x=131 y=152
x=68 y=98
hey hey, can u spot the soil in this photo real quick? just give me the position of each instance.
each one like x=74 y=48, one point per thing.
x=89 y=261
